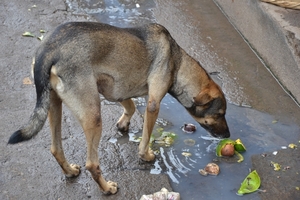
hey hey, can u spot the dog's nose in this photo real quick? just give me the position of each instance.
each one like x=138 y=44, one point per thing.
x=226 y=134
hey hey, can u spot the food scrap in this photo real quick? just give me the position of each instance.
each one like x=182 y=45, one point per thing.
x=210 y=168
x=41 y=37
x=28 y=34
x=165 y=138
x=228 y=147
x=250 y=184
x=186 y=154
x=276 y=166
x=163 y=194
x=241 y=158
x=188 y=128
x=292 y=146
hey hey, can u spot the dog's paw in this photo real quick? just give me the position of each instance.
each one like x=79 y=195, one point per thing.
x=111 y=188
x=123 y=126
x=73 y=171
x=148 y=156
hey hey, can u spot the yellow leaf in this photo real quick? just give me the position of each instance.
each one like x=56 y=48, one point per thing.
x=27 y=81
x=292 y=146
x=27 y=34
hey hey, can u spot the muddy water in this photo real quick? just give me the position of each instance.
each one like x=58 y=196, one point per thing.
x=260 y=113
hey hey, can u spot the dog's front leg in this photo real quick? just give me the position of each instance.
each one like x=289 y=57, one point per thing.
x=150 y=117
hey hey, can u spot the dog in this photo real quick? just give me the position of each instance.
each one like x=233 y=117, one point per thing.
x=79 y=60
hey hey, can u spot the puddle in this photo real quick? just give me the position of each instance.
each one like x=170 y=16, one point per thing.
x=122 y=13
x=257 y=130
x=260 y=133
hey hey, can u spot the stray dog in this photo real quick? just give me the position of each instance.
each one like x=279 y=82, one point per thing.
x=79 y=60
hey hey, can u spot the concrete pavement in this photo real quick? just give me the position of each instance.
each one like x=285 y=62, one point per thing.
x=273 y=33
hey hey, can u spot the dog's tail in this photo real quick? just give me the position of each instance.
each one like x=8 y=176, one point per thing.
x=42 y=67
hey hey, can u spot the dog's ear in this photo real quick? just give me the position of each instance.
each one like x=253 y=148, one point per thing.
x=202 y=98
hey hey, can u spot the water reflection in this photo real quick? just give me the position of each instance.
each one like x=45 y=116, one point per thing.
x=122 y=13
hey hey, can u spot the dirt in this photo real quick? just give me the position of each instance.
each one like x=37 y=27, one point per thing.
x=283 y=183
x=28 y=170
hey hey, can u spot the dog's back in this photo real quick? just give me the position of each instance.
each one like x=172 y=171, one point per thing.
x=120 y=58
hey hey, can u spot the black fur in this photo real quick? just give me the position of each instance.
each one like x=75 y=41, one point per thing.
x=16 y=137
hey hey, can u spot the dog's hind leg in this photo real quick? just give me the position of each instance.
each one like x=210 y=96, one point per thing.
x=124 y=121
x=82 y=97
x=55 y=112
x=86 y=106
x=91 y=122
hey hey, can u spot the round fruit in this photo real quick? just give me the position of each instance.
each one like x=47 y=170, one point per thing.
x=227 y=150
x=189 y=128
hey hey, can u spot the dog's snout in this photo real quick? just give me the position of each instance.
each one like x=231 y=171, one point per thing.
x=219 y=129
x=226 y=134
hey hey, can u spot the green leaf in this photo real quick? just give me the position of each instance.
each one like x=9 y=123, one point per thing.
x=27 y=34
x=41 y=38
x=250 y=184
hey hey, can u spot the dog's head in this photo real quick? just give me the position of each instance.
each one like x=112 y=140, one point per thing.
x=209 y=108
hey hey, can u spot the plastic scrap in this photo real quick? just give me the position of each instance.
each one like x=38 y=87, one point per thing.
x=163 y=194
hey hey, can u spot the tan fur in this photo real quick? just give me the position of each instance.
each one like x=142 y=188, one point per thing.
x=80 y=60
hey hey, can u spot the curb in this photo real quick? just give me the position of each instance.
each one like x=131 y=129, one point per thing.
x=273 y=33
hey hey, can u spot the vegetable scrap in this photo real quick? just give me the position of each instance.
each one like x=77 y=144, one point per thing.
x=241 y=158
x=292 y=146
x=41 y=37
x=276 y=166
x=188 y=128
x=28 y=34
x=186 y=154
x=210 y=168
x=250 y=184
x=166 y=138
x=228 y=147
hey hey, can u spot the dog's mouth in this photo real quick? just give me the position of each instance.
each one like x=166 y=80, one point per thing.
x=217 y=133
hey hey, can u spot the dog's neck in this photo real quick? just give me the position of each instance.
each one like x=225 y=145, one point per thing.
x=190 y=79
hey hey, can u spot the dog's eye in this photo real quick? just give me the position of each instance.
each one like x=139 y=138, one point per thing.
x=205 y=122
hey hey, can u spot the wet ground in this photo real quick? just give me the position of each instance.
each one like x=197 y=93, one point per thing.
x=259 y=112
